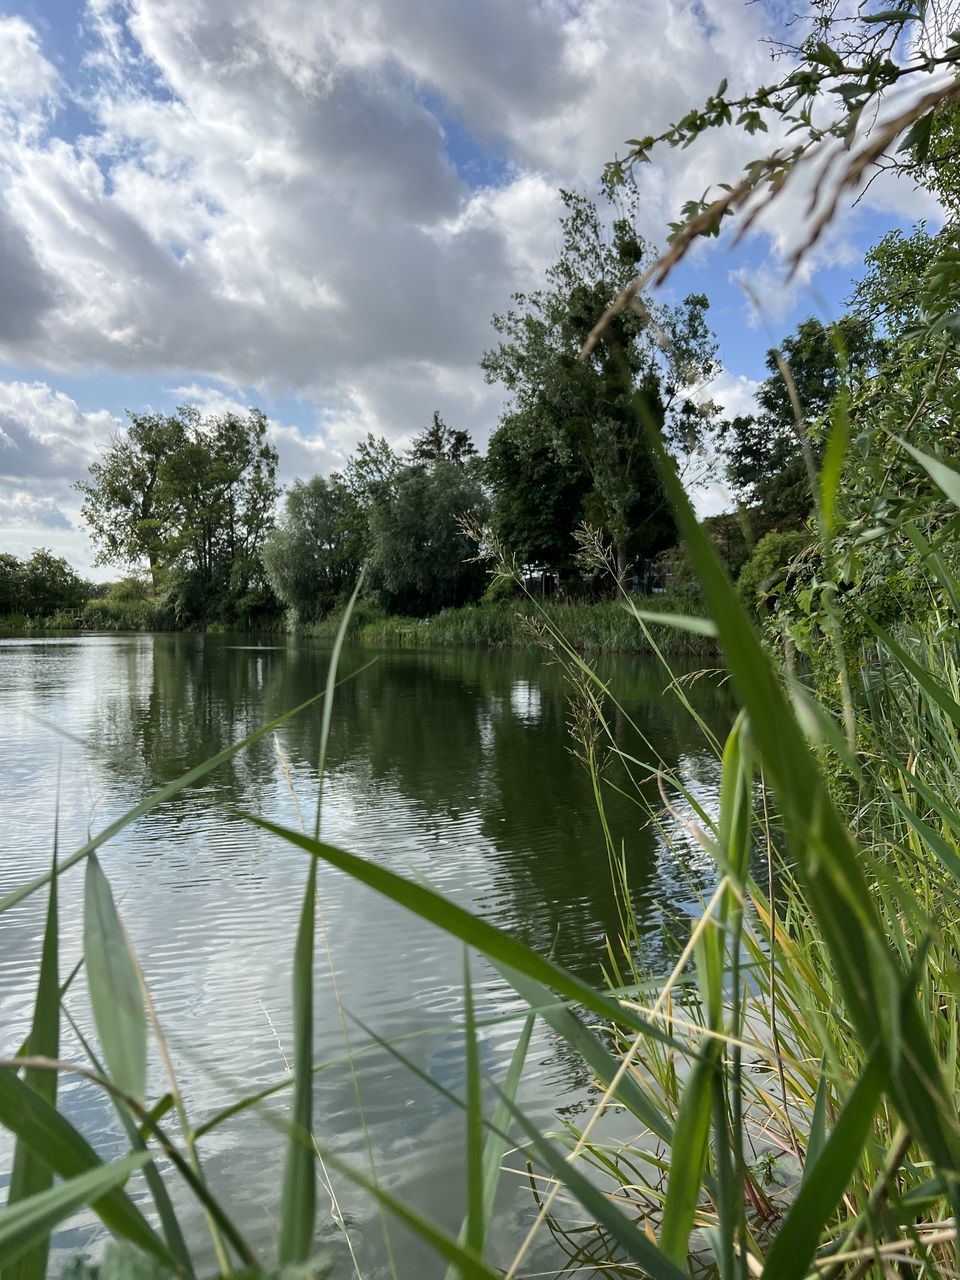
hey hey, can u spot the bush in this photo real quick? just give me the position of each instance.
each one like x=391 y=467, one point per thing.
x=764 y=570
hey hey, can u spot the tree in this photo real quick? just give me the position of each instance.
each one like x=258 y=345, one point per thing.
x=539 y=494
x=127 y=504
x=421 y=560
x=440 y=443
x=763 y=453
x=590 y=414
x=194 y=497
x=314 y=555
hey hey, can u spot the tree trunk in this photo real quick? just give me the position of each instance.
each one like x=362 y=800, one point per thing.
x=621 y=565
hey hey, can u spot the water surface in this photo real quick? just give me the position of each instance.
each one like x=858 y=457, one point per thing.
x=454 y=766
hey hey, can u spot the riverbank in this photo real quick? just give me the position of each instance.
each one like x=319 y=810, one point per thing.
x=605 y=626
x=600 y=627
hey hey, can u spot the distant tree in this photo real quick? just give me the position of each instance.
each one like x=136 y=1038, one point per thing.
x=591 y=413
x=48 y=583
x=371 y=472
x=11 y=583
x=763 y=453
x=313 y=556
x=194 y=497
x=128 y=506
x=539 y=494
x=421 y=560
x=440 y=443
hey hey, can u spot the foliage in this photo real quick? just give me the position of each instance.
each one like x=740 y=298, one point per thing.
x=845 y=83
x=194 y=497
x=764 y=453
x=765 y=570
x=421 y=560
x=575 y=420
x=314 y=555
x=440 y=443
x=39 y=586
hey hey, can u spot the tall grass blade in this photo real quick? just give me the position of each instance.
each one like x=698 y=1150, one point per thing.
x=31 y=1174
x=47 y=1133
x=298 y=1207
x=478 y=933
x=639 y=1249
x=25 y=1225
x=475 y=1201
x=116 y=996
x=829 y=867
x=591 y=1049
x=796 y=1240
x=689 y=1157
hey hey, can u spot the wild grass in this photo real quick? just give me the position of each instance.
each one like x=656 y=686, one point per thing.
x=601 y=627
x=792 y=1081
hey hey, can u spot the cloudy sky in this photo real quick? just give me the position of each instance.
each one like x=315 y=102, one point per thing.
x=316 y=208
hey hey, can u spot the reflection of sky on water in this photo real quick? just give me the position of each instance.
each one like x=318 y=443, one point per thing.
x=450 y=767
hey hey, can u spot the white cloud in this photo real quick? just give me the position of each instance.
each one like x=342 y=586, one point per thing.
x=286 y=200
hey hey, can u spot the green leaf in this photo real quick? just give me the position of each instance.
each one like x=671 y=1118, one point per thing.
x=31 y=1174
x=116 y=995
x=636 y=1245
x=918 y=138
x=457 y=922
x=42 y=1129
x=298 y=1207
x=688 y=1158
x=825 y=1182
x=945 y=477
x=679 y=621
x=29 y=1223
x=476 y=1227
x=818 y=1124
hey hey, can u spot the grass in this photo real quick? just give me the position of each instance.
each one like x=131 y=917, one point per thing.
x=602 y=627
x=793 y=1079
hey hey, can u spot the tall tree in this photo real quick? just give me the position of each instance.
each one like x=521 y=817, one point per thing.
x=421 y=560
x=194 y=497
x=127 y=504
x=314 y=554
x=440 y=443
x=763 y=452
x=591 y=413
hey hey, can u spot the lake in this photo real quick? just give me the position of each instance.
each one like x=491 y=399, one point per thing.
x=453 y=766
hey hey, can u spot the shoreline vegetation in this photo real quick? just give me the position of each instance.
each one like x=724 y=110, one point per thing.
x=597 y=627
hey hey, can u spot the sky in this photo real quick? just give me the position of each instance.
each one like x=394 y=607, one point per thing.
x=317 y=208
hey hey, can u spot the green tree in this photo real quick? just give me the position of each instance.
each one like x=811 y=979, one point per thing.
x=586 y=411
x=129 y=508
x=421 y=560
x=194 y=497
x=764 y=453
x=440 y=443
x=11 y=583
x=48 y=583
x=314 y=555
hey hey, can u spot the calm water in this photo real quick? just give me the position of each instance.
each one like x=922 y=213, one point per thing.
x=453 y=766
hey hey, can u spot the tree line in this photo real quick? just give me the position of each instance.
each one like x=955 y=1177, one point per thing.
x=194 y=499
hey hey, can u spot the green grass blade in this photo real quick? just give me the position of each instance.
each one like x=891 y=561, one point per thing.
x=638 y=1248
x=796 y=1240
x=932 y=687
x=679 y=621
x=688 y=1159
x=116 y=996
x=41 y=1128
x=829 y=866
x=943 y=476
x=169 y=1222
x=31 y=1174
x=475 y=1205
x=298 y=1207
x=25 y=1225
x=591 y=1049
x=478 y=933
x=817 y=1138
